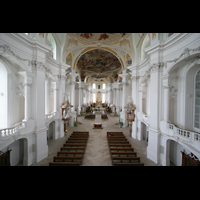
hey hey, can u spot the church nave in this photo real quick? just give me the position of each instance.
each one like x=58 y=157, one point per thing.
x=97 y=152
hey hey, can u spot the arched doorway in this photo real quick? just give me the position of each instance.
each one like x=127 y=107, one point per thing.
x=51 y=131
x=144 y=132
x=173 y=153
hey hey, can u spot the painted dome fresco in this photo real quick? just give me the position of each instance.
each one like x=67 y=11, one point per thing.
x=98 y=61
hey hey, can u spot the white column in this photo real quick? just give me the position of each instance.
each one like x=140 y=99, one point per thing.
x=166 y=103
x=72 y=95
x=62 y=79
x=154 y=141
x=81 y=87
x=28 y=92
x=135 y=102
x=111 y=94
x=124 y=98
x=140 y=98
x=47 y=83
x=117 y=98
x=41 y=148
x=55 y=96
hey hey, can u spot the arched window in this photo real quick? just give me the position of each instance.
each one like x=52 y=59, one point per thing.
x=51 y=42
x=3 y=97
x=94 y=98
x=145 y=44
x=197 y=101
x=103 y=98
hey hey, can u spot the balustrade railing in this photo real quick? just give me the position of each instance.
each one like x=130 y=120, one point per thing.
x=14 y=130
x=185 y=135
x=51 y=115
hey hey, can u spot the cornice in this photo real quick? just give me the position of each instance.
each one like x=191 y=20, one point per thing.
x=31 y=42
x=163 y=44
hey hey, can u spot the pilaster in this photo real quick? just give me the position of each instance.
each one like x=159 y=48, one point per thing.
x=72 y=94
x=125 y=77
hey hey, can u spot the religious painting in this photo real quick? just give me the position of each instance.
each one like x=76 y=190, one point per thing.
x=98 y=86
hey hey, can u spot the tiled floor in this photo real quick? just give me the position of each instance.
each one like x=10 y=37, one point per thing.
x=97 y=152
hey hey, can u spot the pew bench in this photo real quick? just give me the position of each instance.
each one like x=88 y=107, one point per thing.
x=75 y=153
x=64 y=163
x=67 y=158
x=74 y=145
x=128 y=164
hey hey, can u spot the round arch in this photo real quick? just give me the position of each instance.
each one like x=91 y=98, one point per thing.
x=144 y=44
x=104 y=48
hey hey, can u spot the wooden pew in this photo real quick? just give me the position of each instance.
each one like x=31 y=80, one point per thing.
x=72 y=152
x=124 y=154
x=67 y=158
x=121 y=152
x=75 y=153
x=64 y=163
x=128 y=164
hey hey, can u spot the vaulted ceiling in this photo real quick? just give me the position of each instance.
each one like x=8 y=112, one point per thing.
x=100 y=56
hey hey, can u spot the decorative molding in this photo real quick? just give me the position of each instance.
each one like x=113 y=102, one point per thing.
x=134 y=78
x=155 y=67
x=62 y=77
x=72 y=42
x=125 y=42
x=185 y=54
x=7 y=51
x=173 y=93
x=167 y=87
x=28 y=84
x=20 y=89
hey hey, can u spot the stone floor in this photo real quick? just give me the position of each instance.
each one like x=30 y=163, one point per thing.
x=97 y=152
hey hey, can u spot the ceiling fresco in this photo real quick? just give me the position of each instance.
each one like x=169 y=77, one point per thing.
x=102 y=37
x=100 y=62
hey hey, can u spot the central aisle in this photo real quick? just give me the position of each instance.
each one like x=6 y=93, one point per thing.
x=97 y=152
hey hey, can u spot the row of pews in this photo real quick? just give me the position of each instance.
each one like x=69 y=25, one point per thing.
x=72 y=152
x=121 y=152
